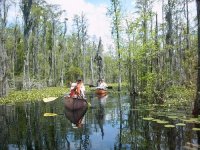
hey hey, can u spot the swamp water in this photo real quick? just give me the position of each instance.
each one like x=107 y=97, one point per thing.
x=112 y=122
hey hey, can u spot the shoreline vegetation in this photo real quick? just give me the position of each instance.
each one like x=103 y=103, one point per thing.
x=176 y=96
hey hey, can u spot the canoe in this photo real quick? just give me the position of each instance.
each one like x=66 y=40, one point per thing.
x=101 y=95
x=76 y=115
x=101 y=91
x=74 y=103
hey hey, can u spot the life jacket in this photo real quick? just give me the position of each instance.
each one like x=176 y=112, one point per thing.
x=72 y=93
x=78 y=89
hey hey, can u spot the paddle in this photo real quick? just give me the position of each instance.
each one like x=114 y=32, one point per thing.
x=49 y=99
x=108 y=87
x=50 y=114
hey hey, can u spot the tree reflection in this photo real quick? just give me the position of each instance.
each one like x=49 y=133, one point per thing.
x=100 y=115
x=118 y=144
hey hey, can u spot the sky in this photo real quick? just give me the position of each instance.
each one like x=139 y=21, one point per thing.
x=95 y=12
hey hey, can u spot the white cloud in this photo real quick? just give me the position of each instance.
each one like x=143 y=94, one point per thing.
x=99 y=24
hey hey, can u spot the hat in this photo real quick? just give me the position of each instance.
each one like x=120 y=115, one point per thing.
x=73 y=85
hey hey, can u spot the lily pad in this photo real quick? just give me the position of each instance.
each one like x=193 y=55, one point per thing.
x=162 y=122
x=148 y=119
x=196 y=129
x=156 y=120
x=191 y=120
x=169 y=126
x=180 y=124
x=50 y=114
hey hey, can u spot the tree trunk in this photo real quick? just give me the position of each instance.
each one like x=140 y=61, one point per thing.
x=14 y=58
x=196 y=110
x=35 y=52
x=63 y=53
x=169 y=40
x=91 y=64
x=44 y=53
x=116 y=26
x=3 y=53
x=51 y=80
x=26 y=9
x=187 y=72
x=26 y=75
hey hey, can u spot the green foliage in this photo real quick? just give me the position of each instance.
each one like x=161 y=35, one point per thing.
x=73 y=73
x=33 y=95
x=179 y=96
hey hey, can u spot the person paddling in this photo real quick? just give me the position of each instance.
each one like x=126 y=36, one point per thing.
x=102 y=85
x=80 y=89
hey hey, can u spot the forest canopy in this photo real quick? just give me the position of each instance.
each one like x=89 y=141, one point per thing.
x=150 y=52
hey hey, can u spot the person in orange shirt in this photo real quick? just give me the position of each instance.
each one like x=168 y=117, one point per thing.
x=80 y=89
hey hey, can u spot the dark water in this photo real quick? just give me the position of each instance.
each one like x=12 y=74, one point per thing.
x=111 y=123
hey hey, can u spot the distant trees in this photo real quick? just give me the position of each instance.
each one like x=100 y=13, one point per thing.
x=155 y=55
x=150 y=55
x=3 y=52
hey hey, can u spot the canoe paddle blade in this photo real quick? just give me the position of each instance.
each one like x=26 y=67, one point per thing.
x=49 y=114
x=49 y=99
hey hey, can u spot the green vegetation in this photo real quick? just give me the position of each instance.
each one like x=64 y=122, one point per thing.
x=33 y=95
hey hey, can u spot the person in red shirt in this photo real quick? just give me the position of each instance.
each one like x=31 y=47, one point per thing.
x=73 y=90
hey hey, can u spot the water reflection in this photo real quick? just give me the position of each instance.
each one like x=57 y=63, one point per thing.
x=100 y=113
x=113 y=122
x=76 y=116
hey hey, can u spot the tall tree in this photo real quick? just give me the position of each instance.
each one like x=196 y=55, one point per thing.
x=77 y=50
x=169 y=39
x=99 y=60
x=196 y=111
x=26 y=6
x=63 y=51
x=83 y=41
x=3 y=53
x=115 y=13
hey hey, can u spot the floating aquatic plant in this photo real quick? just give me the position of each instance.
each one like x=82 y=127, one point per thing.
x=180 y=124
x=162 y=122
x=196 y=129
x=148 y=119
x=169 y=126
x=33 y=95
x=155 y=120
x=172 y=117
x=191 y=120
